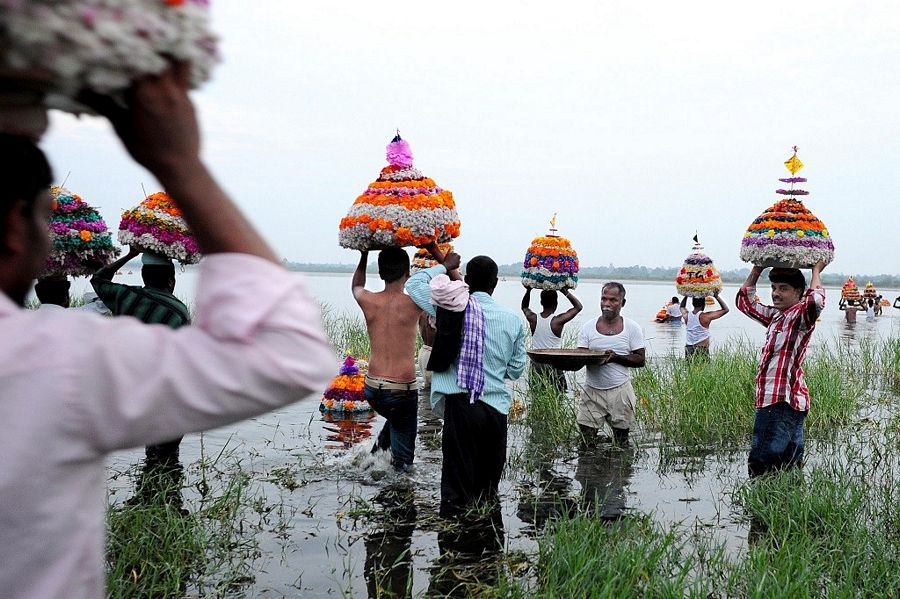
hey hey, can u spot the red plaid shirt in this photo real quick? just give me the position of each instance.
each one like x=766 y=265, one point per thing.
x=780 y=374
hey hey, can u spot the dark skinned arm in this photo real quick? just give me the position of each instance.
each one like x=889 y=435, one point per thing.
x=559 y=321
x=109 y=271
x=440 y=258
x=358 y=284
x=530 y=316
x=635 y=359
x=708 y=317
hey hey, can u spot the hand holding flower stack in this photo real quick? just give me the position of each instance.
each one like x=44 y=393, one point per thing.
x=401 y=208
x=423 y=258
x=787 y=234
x=80 y=240
x=698 y=276
x=551 y=262
x=156 y=225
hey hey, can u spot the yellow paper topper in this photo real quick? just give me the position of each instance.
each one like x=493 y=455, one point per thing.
x=793 y=163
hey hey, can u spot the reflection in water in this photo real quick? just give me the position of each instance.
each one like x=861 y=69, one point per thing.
x=549 y=498
x=604 y=473
x=388 y=566
x=470 y=551
x=347 y=429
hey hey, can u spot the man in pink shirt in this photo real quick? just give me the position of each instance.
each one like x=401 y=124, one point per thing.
x=75 y=386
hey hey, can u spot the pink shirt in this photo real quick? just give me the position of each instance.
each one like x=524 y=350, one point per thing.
x=75 y=386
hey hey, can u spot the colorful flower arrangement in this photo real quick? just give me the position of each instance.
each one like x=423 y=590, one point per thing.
x=104 y=45
x=787 y=234
x=869 y=291
x=423 y=258
x=80 y=240
x=156 y=225
x=550 y=263
x=698 y=276
x=401 y=208
x=850 y=291
x=346 y=393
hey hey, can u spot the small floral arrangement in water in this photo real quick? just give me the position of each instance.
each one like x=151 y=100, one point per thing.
x=156 y=225
x=698 y=277
x=787 y=234
x=550 y=262
x=423 y=258
x=402 y=208
x=346 y=393
x=80 y=240
x=850 y=291
x=104 y=45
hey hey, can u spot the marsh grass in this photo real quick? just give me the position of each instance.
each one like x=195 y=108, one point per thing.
x=551 y=415
x=700 y=403
x=347 y=334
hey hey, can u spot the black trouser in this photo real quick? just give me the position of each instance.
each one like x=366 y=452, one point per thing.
x=474 y=448
x=163 y=454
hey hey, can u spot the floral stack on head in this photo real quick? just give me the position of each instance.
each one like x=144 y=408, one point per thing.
x=850 y=291
x=401 y=208
x=698 y=276
x=72 y=46
x=869 y=291
x=423 y=258
x=80 y=240
x=550 y=262
x=156 y=225
x=787 y=234
x=346 y=393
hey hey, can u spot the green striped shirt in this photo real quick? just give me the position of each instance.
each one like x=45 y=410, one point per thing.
x=152 y=306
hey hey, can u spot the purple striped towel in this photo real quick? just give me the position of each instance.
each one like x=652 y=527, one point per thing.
x=470 y=364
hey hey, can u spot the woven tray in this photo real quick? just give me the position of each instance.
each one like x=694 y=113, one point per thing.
x=566 y=359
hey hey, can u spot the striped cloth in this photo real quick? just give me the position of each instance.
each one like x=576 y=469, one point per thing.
x=152 y=306
x=780 y=374
x=470 y=363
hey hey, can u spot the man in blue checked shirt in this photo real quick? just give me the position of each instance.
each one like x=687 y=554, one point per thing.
x=474 y=439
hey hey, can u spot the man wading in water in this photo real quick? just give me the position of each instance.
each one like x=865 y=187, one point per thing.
x=391 y=320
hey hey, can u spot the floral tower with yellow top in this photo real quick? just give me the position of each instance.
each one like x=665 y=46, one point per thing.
x=787 y=234
x=401 y=208
x=869 y=291
x=346 y=393
x=156 y=225
x=698 y=276
x=80 y=241
x=551 y=262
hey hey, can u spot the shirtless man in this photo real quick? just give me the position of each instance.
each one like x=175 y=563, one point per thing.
x=391 y=320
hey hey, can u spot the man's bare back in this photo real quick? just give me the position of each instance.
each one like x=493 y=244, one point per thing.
x=391 y=319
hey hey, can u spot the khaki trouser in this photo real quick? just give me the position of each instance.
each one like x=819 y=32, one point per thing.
x=613 y=406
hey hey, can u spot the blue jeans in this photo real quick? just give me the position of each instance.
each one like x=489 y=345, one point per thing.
x=777 y=439
x=400 y=411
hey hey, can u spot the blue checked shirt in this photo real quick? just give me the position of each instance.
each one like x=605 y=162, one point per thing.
x=504 y=345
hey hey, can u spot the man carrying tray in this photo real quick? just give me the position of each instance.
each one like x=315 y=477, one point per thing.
x=782 y=399
x=391 y=320
x=75 y=386
x=608 y=395
x=547 y=329
x=154 y=303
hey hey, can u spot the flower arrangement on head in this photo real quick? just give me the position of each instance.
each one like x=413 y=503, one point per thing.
x=551 y=262
x=102 y=46
x=423 y=258
x=698 y=276
x=787 y=234
x=156 y=225
x=80 y=240
x=401 y=208
x=869 y=291
x=346 y=393
x=850 y=291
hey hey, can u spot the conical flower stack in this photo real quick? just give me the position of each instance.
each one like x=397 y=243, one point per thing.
x=869 y=291
x=850 y=291
x=156 y=225
x=423 y=258
x=80 y=240
x=787 y=234
x=346 y=393
x=551 y=262
x=698 y=277
x=401 y=208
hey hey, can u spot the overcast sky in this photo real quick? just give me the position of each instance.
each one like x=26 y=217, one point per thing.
x=637 y=122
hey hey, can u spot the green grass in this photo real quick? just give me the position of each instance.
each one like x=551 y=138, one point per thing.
x=347 y=334
x=712 y=403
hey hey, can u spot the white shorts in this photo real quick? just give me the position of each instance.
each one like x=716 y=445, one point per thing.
x=613 y=406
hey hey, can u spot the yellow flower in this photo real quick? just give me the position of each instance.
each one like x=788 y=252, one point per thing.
x=771 y=232
x=800 y=233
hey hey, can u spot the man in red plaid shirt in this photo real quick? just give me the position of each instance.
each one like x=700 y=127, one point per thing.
x=782 y=399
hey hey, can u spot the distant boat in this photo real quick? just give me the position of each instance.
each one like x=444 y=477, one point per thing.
x=129 y=272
